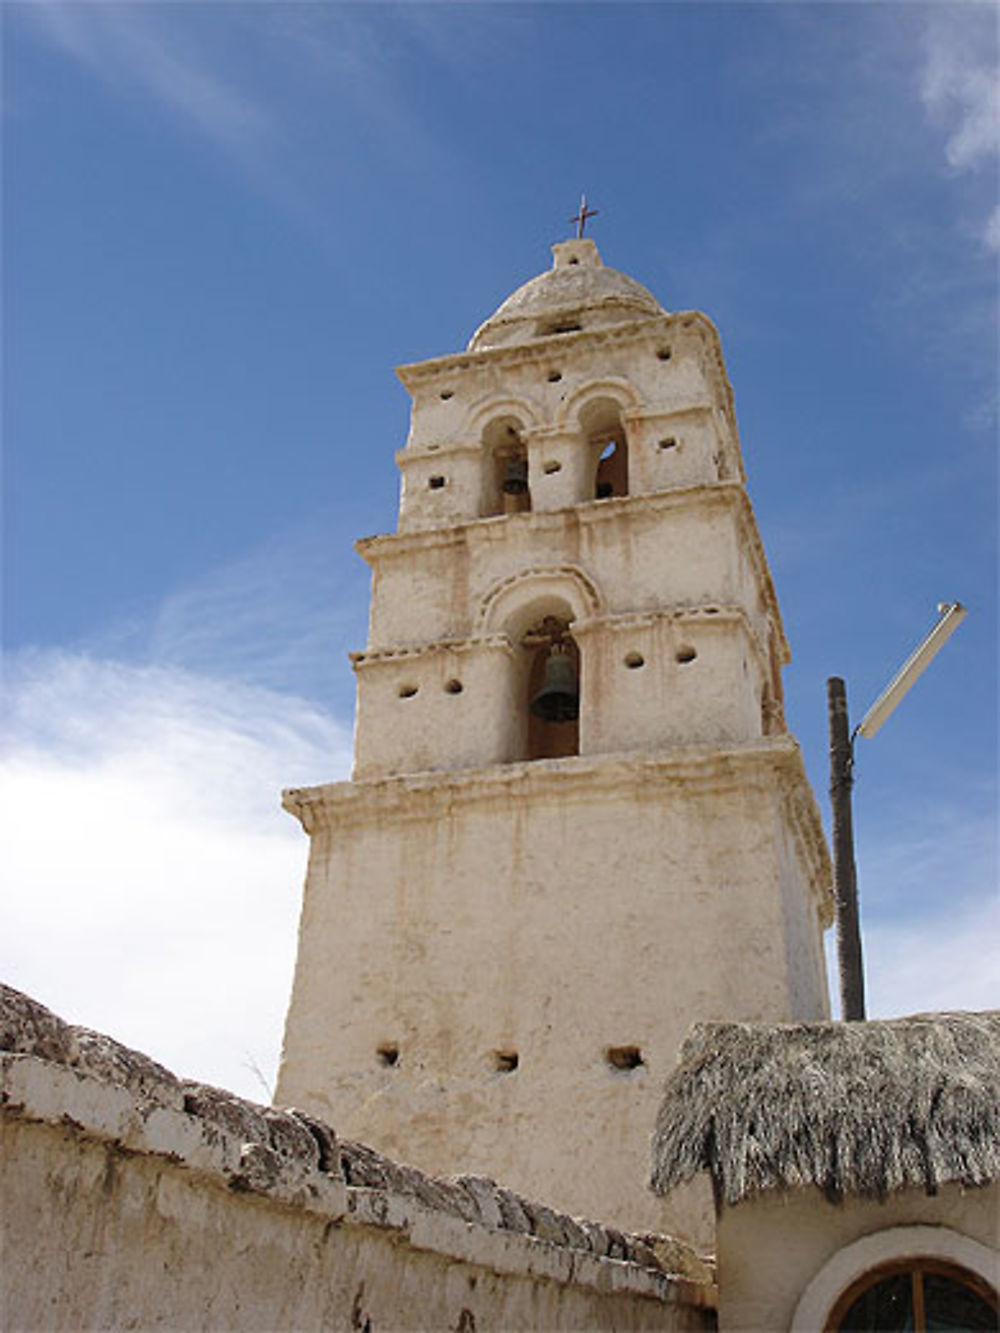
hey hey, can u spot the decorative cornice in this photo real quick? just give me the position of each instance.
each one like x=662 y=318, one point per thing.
x=466 y=533
x=381 y=656
x=502 y=527
x=408 y=455
x=697 y=769
x=417 y=374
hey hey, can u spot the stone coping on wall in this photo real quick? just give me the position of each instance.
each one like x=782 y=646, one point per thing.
x=87 y=1084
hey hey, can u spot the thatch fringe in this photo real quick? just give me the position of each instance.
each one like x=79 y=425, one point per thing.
x=853 y=1108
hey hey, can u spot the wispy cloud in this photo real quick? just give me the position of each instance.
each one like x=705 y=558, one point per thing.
x=283 y=615
x=154 y=882
x=929 y=907
x=132 y=44
x=950 y=960
x=942 y=850
x=283 y=92
x=960 y=89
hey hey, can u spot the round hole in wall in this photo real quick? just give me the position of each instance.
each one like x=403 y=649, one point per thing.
x=663 y=354
x=407 y=691
x=435 y=483
x=555 y=376
x=387 y=1054
x=634 y=660
x=685 y=653
x=553 y=465
x=453 y=687
x=624 y=1058
x=669 y=442
x=447 y=393
x=505 y=1062
x=574 y=260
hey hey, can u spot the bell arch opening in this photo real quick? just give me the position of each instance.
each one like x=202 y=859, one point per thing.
x=550 y=688
x=506 y=487
x=603 y=428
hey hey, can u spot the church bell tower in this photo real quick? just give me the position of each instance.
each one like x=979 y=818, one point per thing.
x=576 y=822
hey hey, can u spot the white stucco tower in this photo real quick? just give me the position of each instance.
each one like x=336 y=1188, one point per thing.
x=510 y=920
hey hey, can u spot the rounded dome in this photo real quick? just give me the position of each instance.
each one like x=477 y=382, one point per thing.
x=578 y=292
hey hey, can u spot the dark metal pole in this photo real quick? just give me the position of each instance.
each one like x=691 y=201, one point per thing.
x=845 y=876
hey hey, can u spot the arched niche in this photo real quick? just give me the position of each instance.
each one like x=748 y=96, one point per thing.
x=506 y=483
x=549 y=669
x=618 y=390
x=602 y=425
x=511 y=606
x=536 y=610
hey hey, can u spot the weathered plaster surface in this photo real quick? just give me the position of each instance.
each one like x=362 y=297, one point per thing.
x=464 y=907
x=771 y=1247
x=553 y=909
x=135 y=1200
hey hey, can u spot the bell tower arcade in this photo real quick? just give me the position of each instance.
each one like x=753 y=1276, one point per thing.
x=576 y=822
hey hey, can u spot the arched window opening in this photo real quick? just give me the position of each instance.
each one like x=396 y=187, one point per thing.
x=916 y=1294
x=604 y=431
x=552 y=688
x=506 y=487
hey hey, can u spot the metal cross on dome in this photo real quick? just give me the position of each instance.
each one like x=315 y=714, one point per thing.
x=581 y=218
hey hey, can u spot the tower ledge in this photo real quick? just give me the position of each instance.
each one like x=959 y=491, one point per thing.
x=695 y=770
x=479 y=533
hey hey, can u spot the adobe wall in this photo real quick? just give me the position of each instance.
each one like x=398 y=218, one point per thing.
x=135 y=1200
x=669 y=873
x=772 y=1247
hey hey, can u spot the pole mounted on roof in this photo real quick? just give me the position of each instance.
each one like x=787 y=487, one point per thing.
x=581 y=218
x=845 y=879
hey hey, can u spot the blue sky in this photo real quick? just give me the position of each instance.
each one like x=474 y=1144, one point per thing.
x=224 y=224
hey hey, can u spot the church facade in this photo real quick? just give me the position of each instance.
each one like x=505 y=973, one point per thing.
x=576 y=822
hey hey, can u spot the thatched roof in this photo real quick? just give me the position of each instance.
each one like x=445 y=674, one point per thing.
x=854 y=1108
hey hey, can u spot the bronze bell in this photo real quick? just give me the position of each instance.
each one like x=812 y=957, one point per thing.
x=515 y=477
x=559 y=698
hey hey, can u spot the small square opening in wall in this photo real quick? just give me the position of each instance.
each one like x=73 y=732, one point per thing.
x=446 y=394
x=453 y=687
x=551 y=466
x=624 y=1058
x=407 y=690
x=555 y=376
x=685 y=653
x=669 y=442
x=634 y=660
x=436 y=483
x=505 y=1061
x=663 y=354
x=387 y=1054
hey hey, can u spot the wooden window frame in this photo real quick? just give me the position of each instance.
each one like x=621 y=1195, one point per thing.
x=916 y=1266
